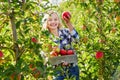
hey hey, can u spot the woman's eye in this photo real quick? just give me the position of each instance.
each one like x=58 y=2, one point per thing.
x=49 y=19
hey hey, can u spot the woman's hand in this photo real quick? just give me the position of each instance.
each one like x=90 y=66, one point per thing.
x=67 y=19
x=66 y=16
x=65 y=63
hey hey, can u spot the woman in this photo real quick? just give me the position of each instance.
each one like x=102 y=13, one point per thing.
x=64 y=38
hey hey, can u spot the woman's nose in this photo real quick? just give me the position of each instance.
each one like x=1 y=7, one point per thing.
x=53 y=21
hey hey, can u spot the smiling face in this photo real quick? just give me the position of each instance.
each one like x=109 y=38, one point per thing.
x=53 y=22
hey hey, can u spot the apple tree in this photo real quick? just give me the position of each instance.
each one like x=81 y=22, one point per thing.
x=22 y=39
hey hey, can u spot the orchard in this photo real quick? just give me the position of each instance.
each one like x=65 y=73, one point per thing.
x=23 y=40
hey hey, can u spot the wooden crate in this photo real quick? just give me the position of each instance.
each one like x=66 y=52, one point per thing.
x=60 y=59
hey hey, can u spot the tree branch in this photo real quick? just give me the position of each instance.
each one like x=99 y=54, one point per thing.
x=12 y=20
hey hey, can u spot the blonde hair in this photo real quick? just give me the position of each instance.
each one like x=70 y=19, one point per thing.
x=45 y=18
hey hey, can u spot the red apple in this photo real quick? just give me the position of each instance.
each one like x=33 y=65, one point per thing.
x=53 y=54
x=63 y=52
x=15 y=76
x=70 y=52
x=34 y=39
x=56 y=49
x=35 y=73
x=99 y=54
x=113 y=30
x=1 y=54
x=84 y=27
x=31 y=66
x=66 y=14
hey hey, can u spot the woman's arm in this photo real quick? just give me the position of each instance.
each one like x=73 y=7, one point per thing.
x=68 y=23
x=73 y=32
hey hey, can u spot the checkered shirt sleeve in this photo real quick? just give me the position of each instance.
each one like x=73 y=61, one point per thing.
x=67 y=37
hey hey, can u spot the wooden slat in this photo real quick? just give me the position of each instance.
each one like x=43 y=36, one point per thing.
x=59 y=59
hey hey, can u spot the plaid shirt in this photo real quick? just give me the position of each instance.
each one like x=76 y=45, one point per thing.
x=66 y=38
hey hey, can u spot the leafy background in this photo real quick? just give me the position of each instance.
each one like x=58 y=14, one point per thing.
x=97 y=22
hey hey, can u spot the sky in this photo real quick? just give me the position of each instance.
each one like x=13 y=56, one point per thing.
x=55 y=2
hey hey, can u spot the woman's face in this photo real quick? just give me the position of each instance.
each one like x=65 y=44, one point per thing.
x=53 y=21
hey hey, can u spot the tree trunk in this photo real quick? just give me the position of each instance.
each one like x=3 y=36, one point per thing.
x=12 y=20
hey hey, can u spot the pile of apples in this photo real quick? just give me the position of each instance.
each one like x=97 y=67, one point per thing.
x=61 y=52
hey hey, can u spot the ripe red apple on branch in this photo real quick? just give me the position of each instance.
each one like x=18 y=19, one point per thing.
x=15 y=76
x=31 y=66
x=99 y=54
x=84 y=27
x=33 y=39
x=36 y=73
x=1 y=54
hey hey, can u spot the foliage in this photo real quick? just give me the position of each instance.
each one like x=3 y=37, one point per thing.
x=97 y=22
